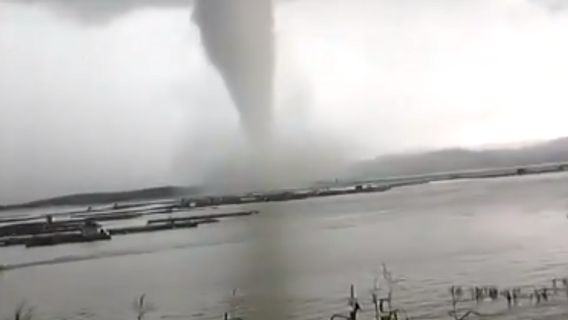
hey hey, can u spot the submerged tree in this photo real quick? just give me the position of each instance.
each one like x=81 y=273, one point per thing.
x=142 y=307
x=23 y=312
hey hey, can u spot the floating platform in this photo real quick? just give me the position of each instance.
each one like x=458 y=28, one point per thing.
x=109 y=216
x=14 y=241
x=62 y=238
x=33 y=234
x=34 y=228
x=153 y=228
x=204 y=218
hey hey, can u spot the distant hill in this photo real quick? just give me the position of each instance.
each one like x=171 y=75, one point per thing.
x=449 y=160
x=109 y=197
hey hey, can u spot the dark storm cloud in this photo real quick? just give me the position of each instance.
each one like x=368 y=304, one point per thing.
x=102 y=11
x=102 y=95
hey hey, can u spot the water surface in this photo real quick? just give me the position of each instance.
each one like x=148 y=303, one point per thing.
x=305 y=254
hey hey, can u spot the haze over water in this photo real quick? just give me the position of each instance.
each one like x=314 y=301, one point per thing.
x=506 y=232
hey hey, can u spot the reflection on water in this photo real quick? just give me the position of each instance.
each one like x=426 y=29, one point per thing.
x=301 y=256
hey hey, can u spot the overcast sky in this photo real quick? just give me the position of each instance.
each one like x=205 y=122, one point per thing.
x=106 y=98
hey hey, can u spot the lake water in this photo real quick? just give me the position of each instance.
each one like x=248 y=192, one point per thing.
x=300 y=257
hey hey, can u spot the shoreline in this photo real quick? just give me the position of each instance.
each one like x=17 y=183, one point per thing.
x=322 y=189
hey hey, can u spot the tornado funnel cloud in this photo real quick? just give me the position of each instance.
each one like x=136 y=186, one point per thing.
x=238 y=39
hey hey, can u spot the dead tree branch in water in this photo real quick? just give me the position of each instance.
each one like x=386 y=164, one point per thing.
x=23 y=312
x=384 y=305
x=535 y=295
x=142 y=307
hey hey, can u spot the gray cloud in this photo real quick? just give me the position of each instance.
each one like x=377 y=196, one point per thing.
x=237 y=36
x=552 y=5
